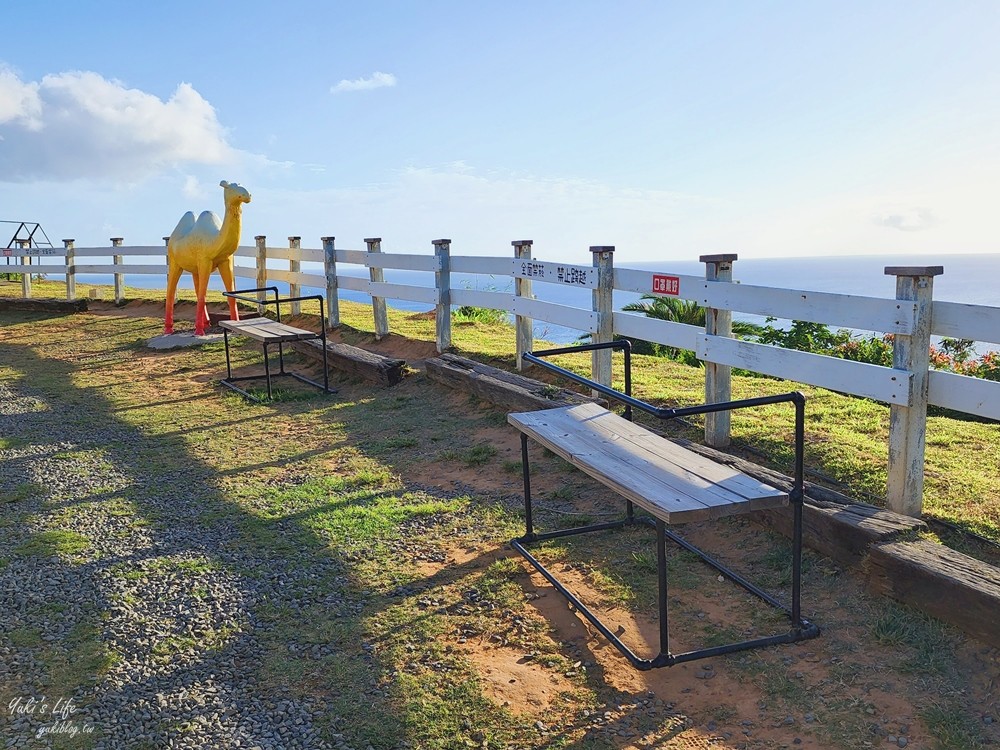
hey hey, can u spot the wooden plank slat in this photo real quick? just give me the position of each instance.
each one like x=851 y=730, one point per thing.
x=150 y=269
x=634 y=280
x=661 y=331
x=857 y=378
x=479 y=298
x=976 y=322
x=963 y=393
x=265 y=329
x=426 y=295
x=664 y=479
x=490 y=266
x=561 y=315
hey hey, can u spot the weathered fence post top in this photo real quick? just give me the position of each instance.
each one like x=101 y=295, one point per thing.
x=524 y=327
x=601 y=249
x=370 y=240
x=117 y=241
x=908 y=422
x=914 y=270
x=440 y=242
x=330 y=271
x=69 y=246
x=718 y=258
x=166 y=240
x=718 y=378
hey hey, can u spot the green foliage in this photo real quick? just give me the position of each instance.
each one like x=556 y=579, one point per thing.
x=470 y=314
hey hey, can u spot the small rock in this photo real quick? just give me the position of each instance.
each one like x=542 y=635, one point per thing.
x=902 y=742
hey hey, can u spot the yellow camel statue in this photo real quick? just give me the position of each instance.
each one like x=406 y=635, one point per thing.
x=202 y=246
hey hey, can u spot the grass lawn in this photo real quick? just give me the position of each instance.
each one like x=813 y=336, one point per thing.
x=383 y=513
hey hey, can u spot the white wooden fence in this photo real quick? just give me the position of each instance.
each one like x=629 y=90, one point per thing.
x=912 y=317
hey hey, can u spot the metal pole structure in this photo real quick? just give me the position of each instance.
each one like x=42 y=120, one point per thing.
x=908 y=424
x=378 y=303
x=330 y=268
x=718 y=378
x=442 y=281
x=523 y=325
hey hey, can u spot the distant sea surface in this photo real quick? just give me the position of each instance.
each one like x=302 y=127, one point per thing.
x=971 y=279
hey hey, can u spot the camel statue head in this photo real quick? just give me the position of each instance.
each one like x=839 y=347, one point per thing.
x=234 y=193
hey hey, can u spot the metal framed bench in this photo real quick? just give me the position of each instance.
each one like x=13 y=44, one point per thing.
x=269 y=332
x=668 y=482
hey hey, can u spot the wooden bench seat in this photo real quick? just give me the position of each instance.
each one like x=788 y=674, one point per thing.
x=269 y=332
x=266 y=330
x=667 y=481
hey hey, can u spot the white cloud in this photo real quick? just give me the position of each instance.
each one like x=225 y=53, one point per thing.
x=377 y=80
x=80 y=125
x=906 y=220
x=19 y=101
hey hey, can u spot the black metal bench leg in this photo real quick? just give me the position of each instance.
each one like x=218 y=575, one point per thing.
x=796 y=563
x=661 y=568
x=529 y=530
x=229 y=366
x=267 y=372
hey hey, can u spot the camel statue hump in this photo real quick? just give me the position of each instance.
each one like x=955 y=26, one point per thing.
x=184 y=226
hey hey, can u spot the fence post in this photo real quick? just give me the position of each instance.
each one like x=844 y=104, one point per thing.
x=908 y=424
x=294 y=266
x=378 y=303
x=718 y=378
x=25 y=263
x=261 y=241
x=119 y=277
x=70 y=269
x=523 y=326
x=442 y=282
x=600 y=360
x=330 y=267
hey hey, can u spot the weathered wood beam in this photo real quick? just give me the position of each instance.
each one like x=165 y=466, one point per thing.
x=10 y=304
x=507 y=390
x=351 y=359
x=941 y=582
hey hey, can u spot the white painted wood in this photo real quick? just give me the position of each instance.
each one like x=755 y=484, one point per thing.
x=357 y=257
x=962 y=393
x=524 y=327
x=34 y=252
x=402 y=291
x=478 y=298
x=489 y=266
x=124 y=269
x=354 y=283
x=442 y=283
x=845 y=310
x=265 y=329
x=602 y=303
x=242 y=272
x=311 y=280
x=561 y=315
x=856 y=378
x=672 y=483
x=633 y=280
x=958 y=321
x=300 y=254
x=642 y=282
x=246 y=251
x=107 y=252
x=566 y=274
x=659 y=331
x=403 y=262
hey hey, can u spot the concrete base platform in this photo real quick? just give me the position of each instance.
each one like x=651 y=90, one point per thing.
x=179 y=340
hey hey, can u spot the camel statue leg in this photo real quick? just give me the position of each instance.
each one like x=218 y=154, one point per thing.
x=173 y=276
x=201 y=321
x=226 y=272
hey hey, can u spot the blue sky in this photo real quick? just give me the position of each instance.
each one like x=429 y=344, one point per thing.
x=666 y=129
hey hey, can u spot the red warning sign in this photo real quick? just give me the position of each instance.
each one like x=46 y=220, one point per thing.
x=666 y=284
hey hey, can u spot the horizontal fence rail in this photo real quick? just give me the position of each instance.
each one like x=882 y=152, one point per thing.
x=910 y=385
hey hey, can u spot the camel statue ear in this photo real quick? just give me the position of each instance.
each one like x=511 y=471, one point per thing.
x=224 y=184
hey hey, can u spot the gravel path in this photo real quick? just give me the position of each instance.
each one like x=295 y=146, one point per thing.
x=173 y=600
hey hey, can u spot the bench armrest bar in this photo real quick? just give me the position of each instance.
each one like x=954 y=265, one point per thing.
x=277 y=301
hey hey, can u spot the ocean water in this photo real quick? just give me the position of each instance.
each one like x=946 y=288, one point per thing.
x=971 y=279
